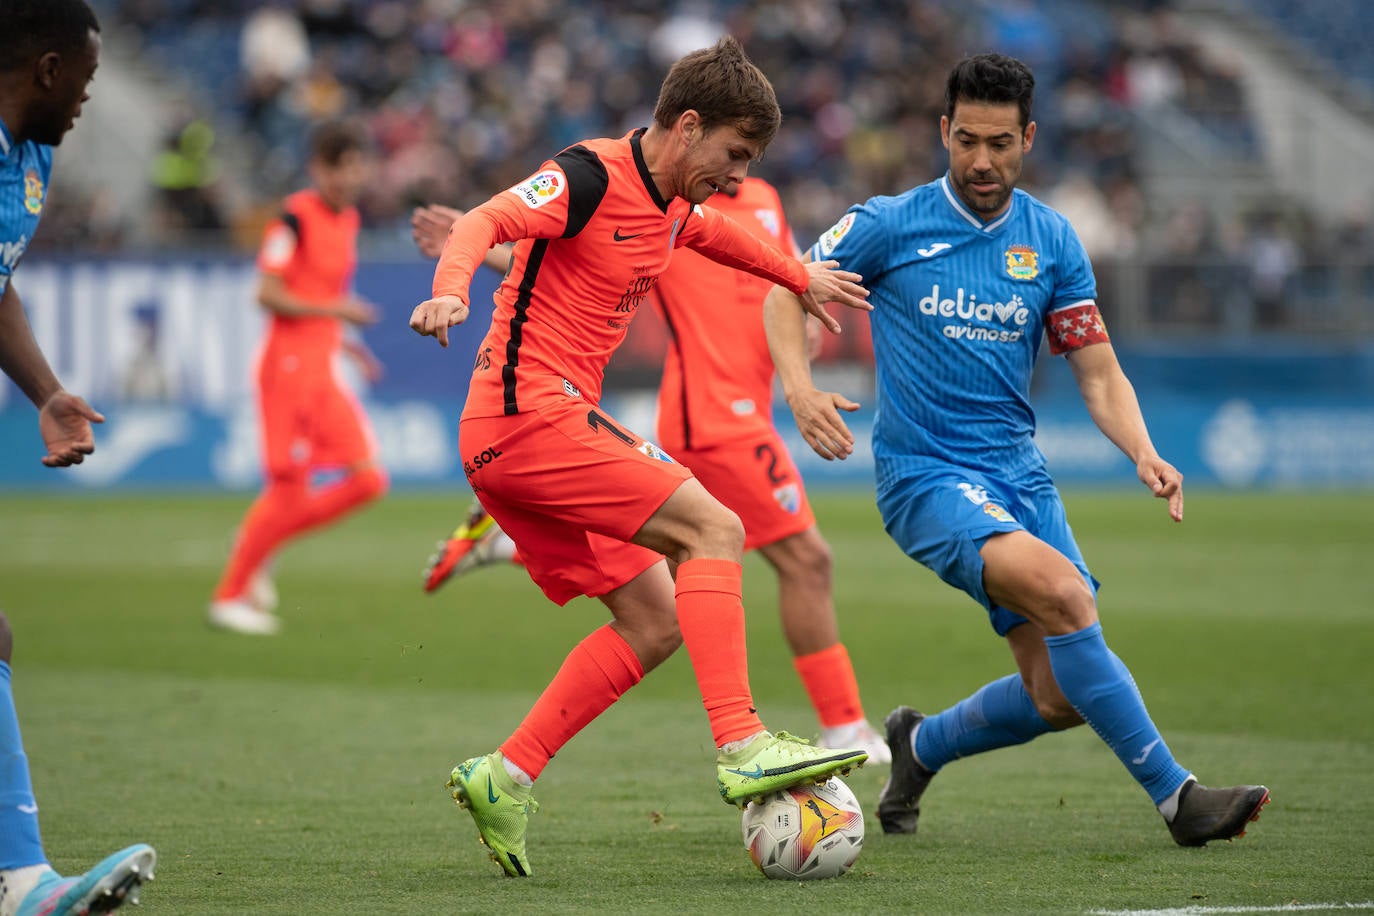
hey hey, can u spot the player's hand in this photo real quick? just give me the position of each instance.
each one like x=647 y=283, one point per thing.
x=429 y=228
x=433 y=317
x=1165 y=481
x=818 y=420
x=358 y=311
x=368 y=364
x=64 y=422
x=830 y=284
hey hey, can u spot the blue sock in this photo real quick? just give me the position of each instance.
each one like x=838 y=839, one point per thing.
x=20 y=844
x=1100 y=687
x=1000 y=714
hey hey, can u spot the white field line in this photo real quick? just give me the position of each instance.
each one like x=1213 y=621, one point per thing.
x=1210 y=910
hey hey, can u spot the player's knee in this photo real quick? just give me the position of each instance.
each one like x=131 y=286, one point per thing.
x=6 y=638
x=1066 y=605
x=805 y=559
x=722 y=534
x=818 y=562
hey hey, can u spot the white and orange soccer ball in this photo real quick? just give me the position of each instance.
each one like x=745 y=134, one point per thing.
x=805 y=832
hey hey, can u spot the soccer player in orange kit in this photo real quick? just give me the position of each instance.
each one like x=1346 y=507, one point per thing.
x=595 y=507
x=310 y=421
x=715 y=416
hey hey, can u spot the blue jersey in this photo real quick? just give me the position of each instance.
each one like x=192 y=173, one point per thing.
x=24 y=172
x=959 y=306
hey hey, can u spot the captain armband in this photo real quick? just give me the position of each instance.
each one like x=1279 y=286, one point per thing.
x=1074 y=327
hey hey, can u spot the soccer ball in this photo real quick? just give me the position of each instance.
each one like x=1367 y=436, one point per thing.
x=805 y=832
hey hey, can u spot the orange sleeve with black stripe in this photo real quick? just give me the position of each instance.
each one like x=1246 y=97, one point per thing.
x=510 y=216
x=721 y=239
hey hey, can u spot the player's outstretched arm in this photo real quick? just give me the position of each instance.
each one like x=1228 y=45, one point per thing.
x=1112 y=403
x=433 y=317
x=64 y=420
x=816 y=412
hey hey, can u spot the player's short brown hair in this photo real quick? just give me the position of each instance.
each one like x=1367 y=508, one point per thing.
x=331 y=140
x=723 y=86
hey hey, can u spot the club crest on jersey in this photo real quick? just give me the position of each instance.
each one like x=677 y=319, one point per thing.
x=768 y=219
x=33 y=192
x=835 y=233
x=1023 y=263
x=789 y=497
x=540 y=189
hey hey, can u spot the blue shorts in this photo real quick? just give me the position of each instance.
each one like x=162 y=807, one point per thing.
x=942 y=514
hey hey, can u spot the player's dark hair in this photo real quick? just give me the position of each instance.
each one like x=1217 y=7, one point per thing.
x=994 y=78
x=330 y=141
x=31 y=28
x=723 y=86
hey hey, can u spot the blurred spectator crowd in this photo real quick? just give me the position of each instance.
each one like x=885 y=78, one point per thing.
x=465 y=97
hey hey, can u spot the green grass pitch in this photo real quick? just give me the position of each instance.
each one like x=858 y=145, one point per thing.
x=304 y=774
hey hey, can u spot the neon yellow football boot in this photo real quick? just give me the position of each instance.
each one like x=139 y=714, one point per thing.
x=477 y=542
x=770 y=763
x=500 y=807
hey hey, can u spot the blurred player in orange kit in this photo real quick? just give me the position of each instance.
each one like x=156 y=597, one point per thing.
x=715 y=416
x=310 y=421
x=594 y=507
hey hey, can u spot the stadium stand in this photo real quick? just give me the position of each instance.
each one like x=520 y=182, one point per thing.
x=462 y=98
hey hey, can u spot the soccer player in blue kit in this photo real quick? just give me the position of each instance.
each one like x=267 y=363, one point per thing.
x=49 y=50
x=965 y=273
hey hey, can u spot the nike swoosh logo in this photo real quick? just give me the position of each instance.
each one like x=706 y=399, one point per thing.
x=755 y=773
x=28 y=809
x=491 y=796
x=933 y=250
x=1146 y=752
x=623 y=238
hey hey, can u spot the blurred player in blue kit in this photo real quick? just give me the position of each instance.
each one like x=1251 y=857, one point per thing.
x=49 y=50
x=965 y=274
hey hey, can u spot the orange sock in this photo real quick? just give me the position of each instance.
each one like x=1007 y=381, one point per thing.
x=269 y=522
x=710 y=613
x=594 y=675
x=287 y=508
x=828 y=677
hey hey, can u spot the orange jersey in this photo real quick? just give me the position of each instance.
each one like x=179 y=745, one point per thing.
x=314 y=249
x=593 y=235
x=718 y=376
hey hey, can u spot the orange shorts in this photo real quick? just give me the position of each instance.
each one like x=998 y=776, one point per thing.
x=756 y=479
x=571 y=487
x=309 y=418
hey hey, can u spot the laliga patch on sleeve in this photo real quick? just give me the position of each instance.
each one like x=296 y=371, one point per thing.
x=279 y=246
x=539 y=189
x=832 y=236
